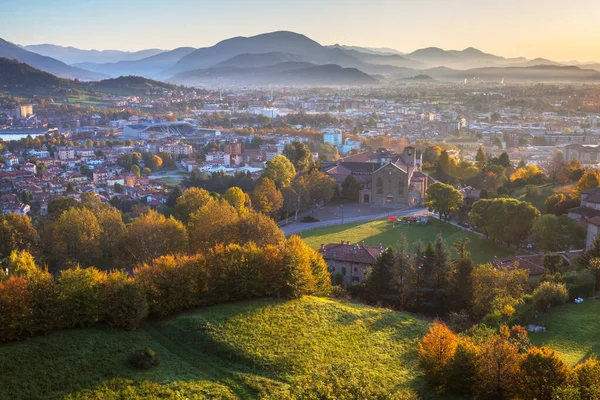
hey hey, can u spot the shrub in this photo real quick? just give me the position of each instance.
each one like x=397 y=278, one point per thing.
x=309 y=218
x=550 y=294
x=125 y=304
x=80 y=296
x=144 y=359
x=459 y=321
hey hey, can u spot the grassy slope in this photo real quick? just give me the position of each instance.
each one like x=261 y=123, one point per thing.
x=237 y=350
x=482 y=250
x=573 y=330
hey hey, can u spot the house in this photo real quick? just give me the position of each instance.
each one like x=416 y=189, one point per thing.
x=349 y=263
x=588 y=214
x=533 y=263
x=9 y=204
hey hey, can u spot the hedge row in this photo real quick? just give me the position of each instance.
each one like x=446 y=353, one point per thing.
x=32 y=301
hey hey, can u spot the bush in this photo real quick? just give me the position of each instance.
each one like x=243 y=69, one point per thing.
x=550 y=294
x=144 y=359
x=309 y=218
x=125 y=304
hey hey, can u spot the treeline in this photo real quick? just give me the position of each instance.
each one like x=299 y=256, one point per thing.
x=33 y=301
x=503 y=365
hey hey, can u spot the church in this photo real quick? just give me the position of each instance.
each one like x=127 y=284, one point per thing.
x=386 y=179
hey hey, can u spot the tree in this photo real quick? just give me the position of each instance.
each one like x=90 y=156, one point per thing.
x=16 y=233
x=491 y=284
x=462 y=285
x=266 y=197
x=153 y=235
x=135 y=169
x=379 y=285
x=191 y=201
x=443 y=199
x=463 y=371
x=498 y=367
x=586 y=377
x=280 y=170
x=173 y=196
x=299 y=154
x=112 y=236
x=541 y=371
x=589 y=180
x=552 y=233
x=59 y=205
x=575 y=170
x=351 y=188
x=550 y=294
x=236 y=197
x=436 y=353
x=78 y=238
x=532 y=174
x=315 y=187
x=558 y=204
x=480 y=158
x=504 y=160
x=556 y=166
x=553 y=263
x=212 y=224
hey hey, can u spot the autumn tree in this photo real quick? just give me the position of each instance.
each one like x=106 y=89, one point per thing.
x=589 y=180
x=463 y=369
x=498 y=368
x=542 y=370
x=443 y=199
x=153 y=235
x=491 y=284
x=236 y=197
x=77 y=238
x=16 y=233
x=190 y=202
x=436 y=353
x=213 y=223
x=266 y=197
x=556 y=166
x=280 y=170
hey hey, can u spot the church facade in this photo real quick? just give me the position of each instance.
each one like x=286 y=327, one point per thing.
x=386 y=179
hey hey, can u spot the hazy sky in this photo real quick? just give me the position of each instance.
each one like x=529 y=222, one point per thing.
x=556 y=29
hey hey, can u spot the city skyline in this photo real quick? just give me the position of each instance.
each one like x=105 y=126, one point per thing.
x=550 y=29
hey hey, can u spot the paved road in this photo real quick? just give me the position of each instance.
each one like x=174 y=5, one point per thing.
x=297 y=227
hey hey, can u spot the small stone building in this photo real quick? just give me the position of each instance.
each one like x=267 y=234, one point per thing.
x=348 y=263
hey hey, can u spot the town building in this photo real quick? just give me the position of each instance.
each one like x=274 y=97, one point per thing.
x=348 y=263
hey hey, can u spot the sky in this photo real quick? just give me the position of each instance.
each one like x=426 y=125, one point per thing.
x=556 y=29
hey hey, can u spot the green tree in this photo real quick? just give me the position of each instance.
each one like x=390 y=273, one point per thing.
x=443 y=199
x=299 y=154
x=135 y=169
x=280 y=170
x=78 y=238
x=480 y=158
x=380 y=283
x=191 y=201
x=236 y=197
x=552 y=233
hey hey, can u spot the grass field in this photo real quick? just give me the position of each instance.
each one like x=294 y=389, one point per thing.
x=573 y=330
x=375 y=232
x=259 y=349
x=545 y=191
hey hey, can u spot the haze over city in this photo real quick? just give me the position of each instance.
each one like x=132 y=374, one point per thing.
x=268 y=200
x=555 y=29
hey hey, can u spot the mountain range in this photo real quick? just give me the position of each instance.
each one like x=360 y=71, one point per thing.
x=288 y=58
x=72 y=55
